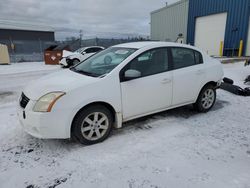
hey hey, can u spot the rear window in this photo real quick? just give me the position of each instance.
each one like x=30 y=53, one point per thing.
x=198 y=57
x=185 y=57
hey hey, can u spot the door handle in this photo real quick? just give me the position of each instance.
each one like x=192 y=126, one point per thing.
x=166 y=81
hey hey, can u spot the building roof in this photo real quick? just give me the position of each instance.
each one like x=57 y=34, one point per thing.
x=17 y=25
x=169 y=6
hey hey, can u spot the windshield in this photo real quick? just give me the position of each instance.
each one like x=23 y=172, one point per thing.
x=103 y=62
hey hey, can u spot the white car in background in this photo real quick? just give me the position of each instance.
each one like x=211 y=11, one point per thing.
x=72 y=58
x=121 y=83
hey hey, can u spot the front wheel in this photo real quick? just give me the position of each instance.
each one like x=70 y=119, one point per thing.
x=75 y=62
x=206 y=99
x=92 y=125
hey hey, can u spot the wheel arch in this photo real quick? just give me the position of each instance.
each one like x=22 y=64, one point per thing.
x=105 y=104
x=213 y=83
x=75 y=58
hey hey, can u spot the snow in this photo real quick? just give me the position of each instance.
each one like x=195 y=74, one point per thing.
x=177 y=148
x=15 y=76
x=26 y=68
x=237 y=73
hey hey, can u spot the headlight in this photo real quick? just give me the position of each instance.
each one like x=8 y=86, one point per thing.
x=46 y=102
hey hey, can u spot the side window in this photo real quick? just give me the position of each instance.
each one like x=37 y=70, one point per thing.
x=85 y=51
x=151 y=62
x=96 y=50
x=93 y=50
x=145 y=56
x=198 y=57
x=183 y=57
x=89 y=50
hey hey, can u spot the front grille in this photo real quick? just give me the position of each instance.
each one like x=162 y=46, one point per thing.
x=23 y=100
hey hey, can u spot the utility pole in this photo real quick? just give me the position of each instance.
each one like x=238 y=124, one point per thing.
x=40 y=45
x=80 y=38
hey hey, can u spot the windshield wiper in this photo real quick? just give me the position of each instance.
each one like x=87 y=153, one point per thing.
x=84 y=72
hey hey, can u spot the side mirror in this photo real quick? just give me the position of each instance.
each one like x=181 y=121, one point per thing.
x=132 y=74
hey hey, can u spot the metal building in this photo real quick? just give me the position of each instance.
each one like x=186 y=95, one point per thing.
x=170 y=21
x=213 y=21
x=24 y=39
x=219 y=27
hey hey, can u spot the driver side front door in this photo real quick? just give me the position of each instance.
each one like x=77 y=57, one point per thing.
x=152 y=91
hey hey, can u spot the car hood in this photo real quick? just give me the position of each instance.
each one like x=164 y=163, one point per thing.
x=67 y=53
x=63 y=80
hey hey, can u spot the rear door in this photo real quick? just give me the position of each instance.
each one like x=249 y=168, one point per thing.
x=189 y=75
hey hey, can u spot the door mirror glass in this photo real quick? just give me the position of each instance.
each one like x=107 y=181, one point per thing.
x=132 y=74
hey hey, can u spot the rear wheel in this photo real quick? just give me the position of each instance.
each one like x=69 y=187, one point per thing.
x=206 y=99
x=92 y=125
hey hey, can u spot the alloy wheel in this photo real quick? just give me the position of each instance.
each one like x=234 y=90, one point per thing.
x=208 y=98
x=94 y=126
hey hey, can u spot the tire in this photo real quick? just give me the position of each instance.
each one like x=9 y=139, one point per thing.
x=228 y=80
x=206 y=99
x=72 y=62
x=75 y=61
x=92 y=125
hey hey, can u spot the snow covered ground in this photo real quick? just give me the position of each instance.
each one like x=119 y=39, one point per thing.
x=15 y=76
x=177 y=148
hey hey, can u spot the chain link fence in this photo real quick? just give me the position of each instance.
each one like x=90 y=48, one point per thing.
x=30 y=51
x=26 y=51
x=74 y=45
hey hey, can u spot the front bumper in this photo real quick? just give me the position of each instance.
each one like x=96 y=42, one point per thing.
x=63 y=62
x=218 y=84
x=52 y=125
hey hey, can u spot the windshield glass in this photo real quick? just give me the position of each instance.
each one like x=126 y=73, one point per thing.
x=103 y=62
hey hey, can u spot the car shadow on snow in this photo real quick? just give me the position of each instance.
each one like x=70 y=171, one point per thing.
x=220 y=104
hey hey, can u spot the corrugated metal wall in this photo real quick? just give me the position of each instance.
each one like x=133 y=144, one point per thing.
x=167 y=23
x=237 y=20
x=26 y=42
x=6 y=34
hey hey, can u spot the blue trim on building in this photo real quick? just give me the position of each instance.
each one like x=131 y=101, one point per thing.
x=238 y=12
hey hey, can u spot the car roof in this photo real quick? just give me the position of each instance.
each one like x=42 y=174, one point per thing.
x=139 y=45
x=85 y=48
x=93 y=47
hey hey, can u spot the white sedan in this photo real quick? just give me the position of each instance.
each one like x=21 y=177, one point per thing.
x=70 y=59
x=119 y=84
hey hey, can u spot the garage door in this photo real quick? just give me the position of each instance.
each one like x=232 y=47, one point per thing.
x=248 y=41
x=209 y=32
